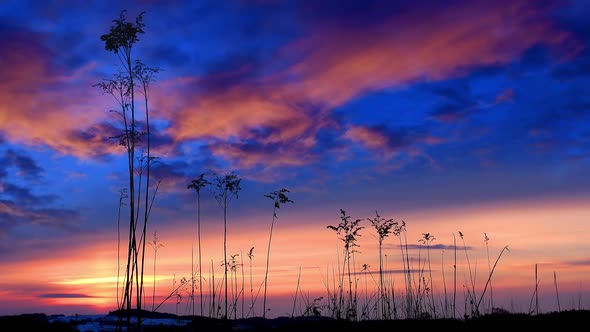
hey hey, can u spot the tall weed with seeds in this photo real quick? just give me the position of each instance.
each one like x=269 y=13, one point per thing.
x=122 y=196
x=349 y=232
x=426 y=239
x=198 y=184
x=486 y=240
x=489 y=280
x=399 y=231
x=225 y=188
x=470 y=291
x=120 y=39
x=156 y=245
x=278 y=197
x=383 y=227
x=250 y=257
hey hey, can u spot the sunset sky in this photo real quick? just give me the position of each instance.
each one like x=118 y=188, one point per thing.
x=452 y=116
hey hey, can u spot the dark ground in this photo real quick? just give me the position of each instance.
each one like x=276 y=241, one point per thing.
x=504 y=322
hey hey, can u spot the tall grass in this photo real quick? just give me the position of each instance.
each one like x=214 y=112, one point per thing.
x=278 y=197
x=198 y=184
x=122 y=196
x=470 y=291
x=349 y=232
x=132 y=75
x=226 y=188
x=383 y=227
x=556 y=291
x=427 y=239
x=352 y=291
x=156 y=245
x=489 y=280
x=487 y=240
x=250 y=258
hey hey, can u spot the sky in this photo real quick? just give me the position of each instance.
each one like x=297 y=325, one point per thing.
x=455 y=117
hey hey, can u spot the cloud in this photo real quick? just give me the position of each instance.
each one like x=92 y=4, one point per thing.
x=343 y=62
x=580 y=262
x=372 y=138
x=392 y=143
x=250 y=155
x=336 y=63
x=24 y=195
x=437 y=246
x=171 y=173
x=20 y=204
x=63 y=296
x=573 y=70
x=458 y=103
x=505 y=96
x=39 y=102
x=15 y=216
x=76 y=176
x=25 y=165
x=289 y=92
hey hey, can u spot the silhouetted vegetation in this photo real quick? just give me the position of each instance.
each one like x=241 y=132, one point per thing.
x=225 y=189
x=132 y=77
x=348 y=232
x=278 y=197
x=496 y=321
x=198 y=184
x=415 y=304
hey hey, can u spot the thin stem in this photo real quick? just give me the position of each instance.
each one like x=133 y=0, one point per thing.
x=556 y=291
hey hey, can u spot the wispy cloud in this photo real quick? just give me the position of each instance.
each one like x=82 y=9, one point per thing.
x=25 y=165
x=64 y=296
x=337 y=63
x=290 y=95
x=40 y=102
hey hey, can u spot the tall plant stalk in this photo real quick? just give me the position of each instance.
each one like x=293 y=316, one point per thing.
x=156 y=245
x=348 y=231
x=486 y=240
x=122 y=196
x=250 y=257
x=226 y=189
x=471 y=292
x=384 y=228
x=454 y=276
x=489 y=281
x=145 y=75
x=444 y=281
x=243 y=283
x=426 y=239
x=278 y=197
x=122 y=36
x=197 y=184
x=556 y=291
x=403 y=246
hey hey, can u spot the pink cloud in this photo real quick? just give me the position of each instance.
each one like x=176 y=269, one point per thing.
x=368 y=137
x=268 y=158
x=341 y=63
x=40 y=105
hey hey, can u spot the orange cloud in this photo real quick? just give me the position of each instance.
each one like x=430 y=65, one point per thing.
x=342 y=62
x=249 y=158
x=420 y=45
x=39 y=105
x=392 y=144
x=371 y=138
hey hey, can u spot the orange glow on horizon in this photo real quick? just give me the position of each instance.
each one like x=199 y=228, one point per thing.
x=316 y=252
